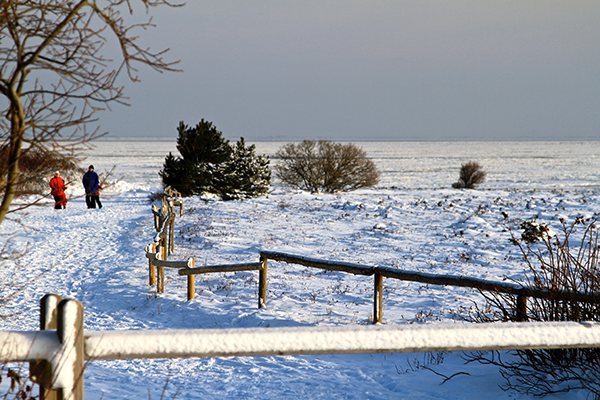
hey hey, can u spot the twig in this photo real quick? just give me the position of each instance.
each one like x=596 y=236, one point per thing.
x=446 y=378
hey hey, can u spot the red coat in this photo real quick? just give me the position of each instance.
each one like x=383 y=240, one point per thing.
x=58 y=186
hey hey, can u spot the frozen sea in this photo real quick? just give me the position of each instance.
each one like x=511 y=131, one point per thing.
x=411 y=165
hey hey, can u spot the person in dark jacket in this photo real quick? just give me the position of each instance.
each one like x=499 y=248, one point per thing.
x=57 y=186
x=91 y=183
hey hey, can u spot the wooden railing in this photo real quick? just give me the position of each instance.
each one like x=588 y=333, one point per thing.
x=379 y=272
x=58 y=351
x=163 y=245
x=157 y=255
x=259 y=266
x=164 y=241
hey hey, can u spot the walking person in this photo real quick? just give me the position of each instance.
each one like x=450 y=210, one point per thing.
x=57 y=186
x=91 y=183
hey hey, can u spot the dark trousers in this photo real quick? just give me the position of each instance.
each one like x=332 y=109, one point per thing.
x=59 y=201
x=91 y=201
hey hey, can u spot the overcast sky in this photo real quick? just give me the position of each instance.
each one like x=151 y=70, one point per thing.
x=366 y=70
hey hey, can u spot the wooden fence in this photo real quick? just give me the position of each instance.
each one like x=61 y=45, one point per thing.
x=163 y=245
x=379 y=272
x=58 y=351
x=164 y=241
x=164 y=222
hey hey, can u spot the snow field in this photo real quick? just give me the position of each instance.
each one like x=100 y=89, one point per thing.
x=97 y=257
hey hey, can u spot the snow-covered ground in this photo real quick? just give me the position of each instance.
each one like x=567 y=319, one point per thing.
x=417 y=223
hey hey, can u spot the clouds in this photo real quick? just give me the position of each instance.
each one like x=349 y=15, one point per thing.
x=373 y=70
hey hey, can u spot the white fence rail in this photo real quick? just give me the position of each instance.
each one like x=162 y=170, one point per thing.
x=244 y=342
x=58 y=351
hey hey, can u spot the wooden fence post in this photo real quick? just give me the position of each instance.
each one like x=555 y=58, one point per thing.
x=156 y=218
x=164 y=246
x=378 y=298
x=151 y=269
x=160 y=271
x=41 y=371
x=521 y=308
x=191 y=282
x=161 y=280
x=172 y=233
x=70 y=333
x=262 y=284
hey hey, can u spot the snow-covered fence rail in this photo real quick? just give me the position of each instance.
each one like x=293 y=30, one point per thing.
x=191 y=272
x=379 y=272
x=165 y=228
x=57 y=353
x=156 y=262
x=164 y=241
x=173 y=198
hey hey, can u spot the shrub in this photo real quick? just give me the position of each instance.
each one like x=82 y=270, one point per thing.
x=209 y=164
x=37 y=166
x=325 y=166
x=533 y=231
x=471 y=175
x=553 y=265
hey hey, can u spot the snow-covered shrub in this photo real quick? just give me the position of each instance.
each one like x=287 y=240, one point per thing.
x=471 y=175
x=325 y=166
x=555 y=266
x=209 y=164
x=534 y=231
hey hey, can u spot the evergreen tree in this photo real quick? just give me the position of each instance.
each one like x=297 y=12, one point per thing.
x=209 y=164
x=244 y=175
x=203 y=149
x=178 y=175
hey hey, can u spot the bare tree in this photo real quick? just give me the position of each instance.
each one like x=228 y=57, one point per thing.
x=55 y=74
x=325 y=166
x=471 y=175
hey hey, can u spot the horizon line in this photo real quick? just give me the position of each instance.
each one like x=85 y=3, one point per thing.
x=165 y=139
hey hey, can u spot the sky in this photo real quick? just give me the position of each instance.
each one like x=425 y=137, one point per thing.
x=372 y=70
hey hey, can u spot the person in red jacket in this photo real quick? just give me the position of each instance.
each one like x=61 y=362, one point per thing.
x=58 y=191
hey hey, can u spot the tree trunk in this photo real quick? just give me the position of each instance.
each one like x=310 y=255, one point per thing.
x=17 y=118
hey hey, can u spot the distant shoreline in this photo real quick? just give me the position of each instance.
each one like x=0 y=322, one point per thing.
x=172 y=139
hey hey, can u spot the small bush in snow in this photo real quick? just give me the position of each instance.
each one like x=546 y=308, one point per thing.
x=325 y=166
x=209 y=164
x=471 y=175
x=533 y=231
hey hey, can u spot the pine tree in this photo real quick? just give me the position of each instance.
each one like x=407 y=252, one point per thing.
x=209 y=164
x=203 y=149
x=244 y=175
x=178 y=173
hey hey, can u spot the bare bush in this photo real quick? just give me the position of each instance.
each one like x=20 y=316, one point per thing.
x=565 y=272
x=325 y=166
x=471 y=175
x=37 y=166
